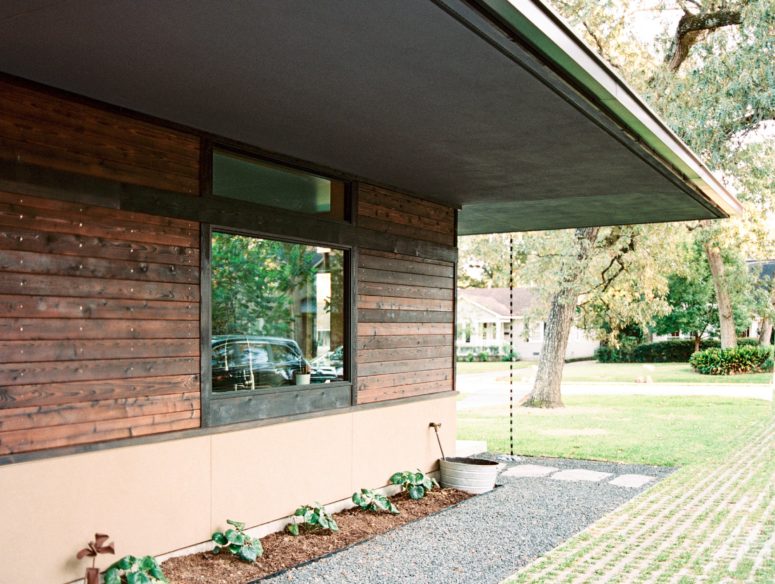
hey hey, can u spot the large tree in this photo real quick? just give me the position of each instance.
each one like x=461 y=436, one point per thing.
x=710 y=76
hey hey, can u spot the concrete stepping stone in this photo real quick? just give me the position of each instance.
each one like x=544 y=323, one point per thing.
x=580 y=474
x=631 y=481
x=529 y=470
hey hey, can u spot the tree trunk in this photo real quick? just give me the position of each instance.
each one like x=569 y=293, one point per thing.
x=697 y=343
x=765 y=334
x=546 y=390
x=725 y=314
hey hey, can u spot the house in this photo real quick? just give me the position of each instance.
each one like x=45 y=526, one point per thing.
x=486 y=317
x=168 y=173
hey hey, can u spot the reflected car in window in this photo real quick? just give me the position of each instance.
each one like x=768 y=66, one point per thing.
x=243 y=362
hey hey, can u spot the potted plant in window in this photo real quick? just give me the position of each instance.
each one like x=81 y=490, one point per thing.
x=303 y=377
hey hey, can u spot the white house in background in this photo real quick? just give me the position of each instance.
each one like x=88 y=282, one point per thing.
x=484 y=322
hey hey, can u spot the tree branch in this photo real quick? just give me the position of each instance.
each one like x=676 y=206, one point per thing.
x=689 y=29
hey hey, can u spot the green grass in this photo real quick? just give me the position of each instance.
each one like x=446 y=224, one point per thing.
x=464 y=367
x=592 y=371
x=636 y=429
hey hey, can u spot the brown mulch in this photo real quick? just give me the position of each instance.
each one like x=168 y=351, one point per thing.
x=282 y=551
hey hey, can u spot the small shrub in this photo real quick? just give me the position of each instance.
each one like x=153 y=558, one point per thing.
x=237 y=542
x=509 y=355
x=743 y=359
x=368 y=500
x=414 y=483
x=311 y=517
x=672 y=351
x=483 y=356
x=470 y=357
x=133 y=570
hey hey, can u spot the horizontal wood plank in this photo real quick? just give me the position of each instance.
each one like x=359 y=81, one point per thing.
x=409 y=231
x=402 y=341
x=405 y=279
x=409 y=366
x=20 y=306
x=96 y=247
x=383 y=355
x=392 y=200
x=404 y=257
x=100 y=369
x=86 y=391
x=100 y=431
x=370 y=315
x=30 y=218
x=36 y=285
x=402 y=291
x=402 y=391
x=399 y=328
x=82 y=350
x=396 y=303
x=413 y=266
x=80 y=119
x=57 y=207
x=412 y=221
x=26 y=262
x=33 y=329
x=39 y=418
x=395 y=379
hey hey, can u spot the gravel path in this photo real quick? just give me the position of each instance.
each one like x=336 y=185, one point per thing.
x=484 y=539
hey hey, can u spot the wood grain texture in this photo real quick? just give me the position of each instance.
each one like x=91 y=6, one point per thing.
x=99 y=324
x=404 y=344
x=398 y=214
x=46 y=130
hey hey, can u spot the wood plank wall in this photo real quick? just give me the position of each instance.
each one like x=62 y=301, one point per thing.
x=99 y=324
x=45 y=130
x=405 y=303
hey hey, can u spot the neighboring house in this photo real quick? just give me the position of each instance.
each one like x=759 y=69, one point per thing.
x=484 y=322
x=146 y=386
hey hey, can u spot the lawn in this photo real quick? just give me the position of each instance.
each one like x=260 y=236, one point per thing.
x=636 y=429
x=592 y=371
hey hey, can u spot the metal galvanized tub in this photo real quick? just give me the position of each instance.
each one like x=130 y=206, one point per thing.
x=471 y=475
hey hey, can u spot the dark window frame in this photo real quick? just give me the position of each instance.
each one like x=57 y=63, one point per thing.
x=226 y=408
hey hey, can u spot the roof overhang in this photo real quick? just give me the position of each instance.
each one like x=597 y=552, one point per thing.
x=491 y=106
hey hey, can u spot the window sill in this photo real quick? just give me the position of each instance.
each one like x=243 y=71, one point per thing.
x=288 y=400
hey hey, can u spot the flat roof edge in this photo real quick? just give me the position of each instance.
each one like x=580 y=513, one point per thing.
x=548 y=33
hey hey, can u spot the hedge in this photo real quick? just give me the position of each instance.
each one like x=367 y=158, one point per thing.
x=672 y=351
x=744 y=359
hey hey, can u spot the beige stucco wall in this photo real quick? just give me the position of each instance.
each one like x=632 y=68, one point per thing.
x=157 y=498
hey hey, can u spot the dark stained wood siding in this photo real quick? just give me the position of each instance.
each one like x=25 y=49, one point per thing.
x=405 y=304
x=42 y=129
x=99 y=324
x=398 y=214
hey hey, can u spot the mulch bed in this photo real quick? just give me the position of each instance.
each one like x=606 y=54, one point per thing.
x=282 y=551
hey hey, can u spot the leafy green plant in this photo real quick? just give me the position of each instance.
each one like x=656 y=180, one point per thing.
x=416 y=484
x=483 y=356
x=311 y=517
x=134 y=570
x=237 y=542
x=369 y=500
x=744 y=359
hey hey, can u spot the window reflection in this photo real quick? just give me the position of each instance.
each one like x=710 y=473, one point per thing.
x=277 y=313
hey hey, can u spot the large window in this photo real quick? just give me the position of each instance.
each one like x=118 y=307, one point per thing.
x=277 y=313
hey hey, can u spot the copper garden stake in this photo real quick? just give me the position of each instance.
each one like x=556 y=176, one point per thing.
x=98 y=546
